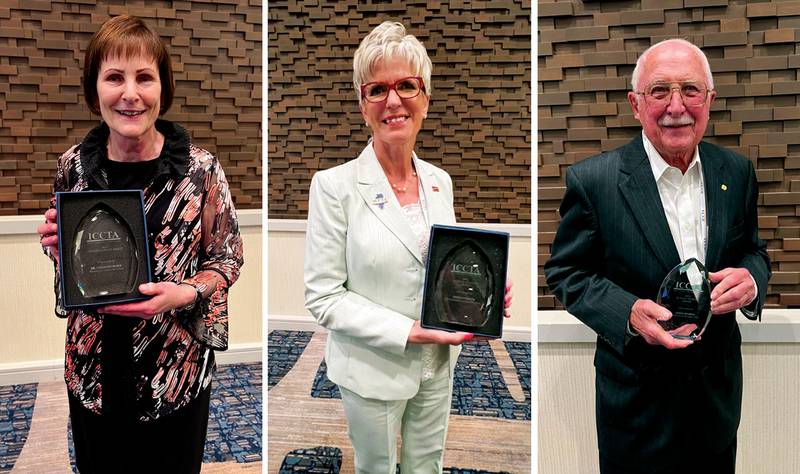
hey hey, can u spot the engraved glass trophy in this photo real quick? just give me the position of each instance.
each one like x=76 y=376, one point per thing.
x=464 y=286
x=686 y=292
x=465 y=278
x=105 y=259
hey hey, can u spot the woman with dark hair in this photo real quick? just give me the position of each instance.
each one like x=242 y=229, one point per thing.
x=139 y=374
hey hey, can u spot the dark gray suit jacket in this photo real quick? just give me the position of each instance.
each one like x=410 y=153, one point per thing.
x=613 y=246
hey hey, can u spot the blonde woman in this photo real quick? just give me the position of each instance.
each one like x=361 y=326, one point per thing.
x=368 y=227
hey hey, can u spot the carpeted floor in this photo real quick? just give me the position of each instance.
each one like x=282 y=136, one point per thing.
x=490 y=414
x=35 y=438
x=489 y=431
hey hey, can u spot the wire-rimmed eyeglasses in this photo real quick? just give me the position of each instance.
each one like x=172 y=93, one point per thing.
x=692 y=93
x=406 y=88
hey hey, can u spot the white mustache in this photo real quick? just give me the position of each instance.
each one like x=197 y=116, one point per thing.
x=670 y=121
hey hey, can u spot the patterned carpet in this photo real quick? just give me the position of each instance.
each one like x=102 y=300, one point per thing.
x=328 y=460
x=16 y=412
x=283 y=350
x=234 y=426
x=479 y=390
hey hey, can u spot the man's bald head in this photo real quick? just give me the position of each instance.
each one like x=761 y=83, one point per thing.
x=641 y=62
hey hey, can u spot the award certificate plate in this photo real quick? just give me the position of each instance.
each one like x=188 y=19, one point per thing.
x=102 y=243
x=465 y=280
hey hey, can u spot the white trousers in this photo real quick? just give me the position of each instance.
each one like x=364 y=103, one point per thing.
x=373 y=426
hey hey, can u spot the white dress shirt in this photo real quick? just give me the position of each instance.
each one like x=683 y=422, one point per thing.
x=684 y=201
x=683 y=198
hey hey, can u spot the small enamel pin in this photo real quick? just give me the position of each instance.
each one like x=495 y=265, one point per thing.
x=379 y=200
x=724 y=187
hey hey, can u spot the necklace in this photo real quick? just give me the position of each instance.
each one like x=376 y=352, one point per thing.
x=402 y=189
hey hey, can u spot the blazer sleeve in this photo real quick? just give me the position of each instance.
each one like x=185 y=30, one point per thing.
x=574 y=270
x=755 y=259
x=327 y=297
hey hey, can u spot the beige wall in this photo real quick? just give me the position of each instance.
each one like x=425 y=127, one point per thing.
x=286 y=254
x=768 y=434
x=285 y=267
x=30 y=332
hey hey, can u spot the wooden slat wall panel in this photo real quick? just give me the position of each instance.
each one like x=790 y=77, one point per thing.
x=216 y=53
x=478 y=125
x=587 y=51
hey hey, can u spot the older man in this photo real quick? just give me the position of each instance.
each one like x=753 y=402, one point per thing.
x=663 y=405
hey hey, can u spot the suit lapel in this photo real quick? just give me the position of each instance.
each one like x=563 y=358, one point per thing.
x=713 y=178
x=638 y=187
x=378 y=195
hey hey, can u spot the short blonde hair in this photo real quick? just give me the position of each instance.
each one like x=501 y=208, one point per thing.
x=388 y=41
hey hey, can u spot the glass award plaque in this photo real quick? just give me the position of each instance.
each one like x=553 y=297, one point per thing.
x=462 y=294
x=105 y=255
x=105 y=259
x=686 y=293
x=465 y=280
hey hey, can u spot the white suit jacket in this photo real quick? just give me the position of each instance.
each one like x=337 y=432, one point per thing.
x=364 y=274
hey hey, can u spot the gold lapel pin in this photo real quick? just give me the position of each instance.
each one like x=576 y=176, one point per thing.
x=724 y=187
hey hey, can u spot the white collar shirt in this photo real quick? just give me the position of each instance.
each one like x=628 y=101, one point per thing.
x=683 y=198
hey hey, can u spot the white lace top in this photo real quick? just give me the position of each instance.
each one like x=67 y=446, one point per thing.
x=416 y=218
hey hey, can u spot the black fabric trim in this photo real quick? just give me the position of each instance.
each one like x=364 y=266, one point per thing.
x=173 y=160
x=227 y=282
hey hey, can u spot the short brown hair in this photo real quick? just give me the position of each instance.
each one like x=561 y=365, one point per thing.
x=126 y=36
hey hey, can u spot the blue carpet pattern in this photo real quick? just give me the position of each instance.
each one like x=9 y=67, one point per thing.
x=16 y=412
x=323 y=387
x=283 y=350
x=456 y=470
x=71 y=447
x=520 y=353
x=328 y=460
x=479 y=388
x=234 y=424
x=235 y=414
x=478 y=385
x=318 y=460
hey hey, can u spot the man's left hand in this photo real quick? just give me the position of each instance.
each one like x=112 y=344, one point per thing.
x=735 y=289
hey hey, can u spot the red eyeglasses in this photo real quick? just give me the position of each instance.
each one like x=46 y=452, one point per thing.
x=406 y=88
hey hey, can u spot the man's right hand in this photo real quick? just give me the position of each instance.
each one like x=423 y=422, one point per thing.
x=644 y=318
x=48 y=232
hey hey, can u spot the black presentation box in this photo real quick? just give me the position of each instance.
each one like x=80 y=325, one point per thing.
x=102 y=244
x=465 y=280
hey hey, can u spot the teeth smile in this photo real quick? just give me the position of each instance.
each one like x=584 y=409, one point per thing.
x=395 y=119
x=130 y=113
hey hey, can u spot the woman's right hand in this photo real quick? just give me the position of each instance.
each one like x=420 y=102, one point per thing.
x=48 y=233
x=420 y=335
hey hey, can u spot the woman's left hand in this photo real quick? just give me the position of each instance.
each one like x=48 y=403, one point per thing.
x=509 y=296
x=166 y=296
